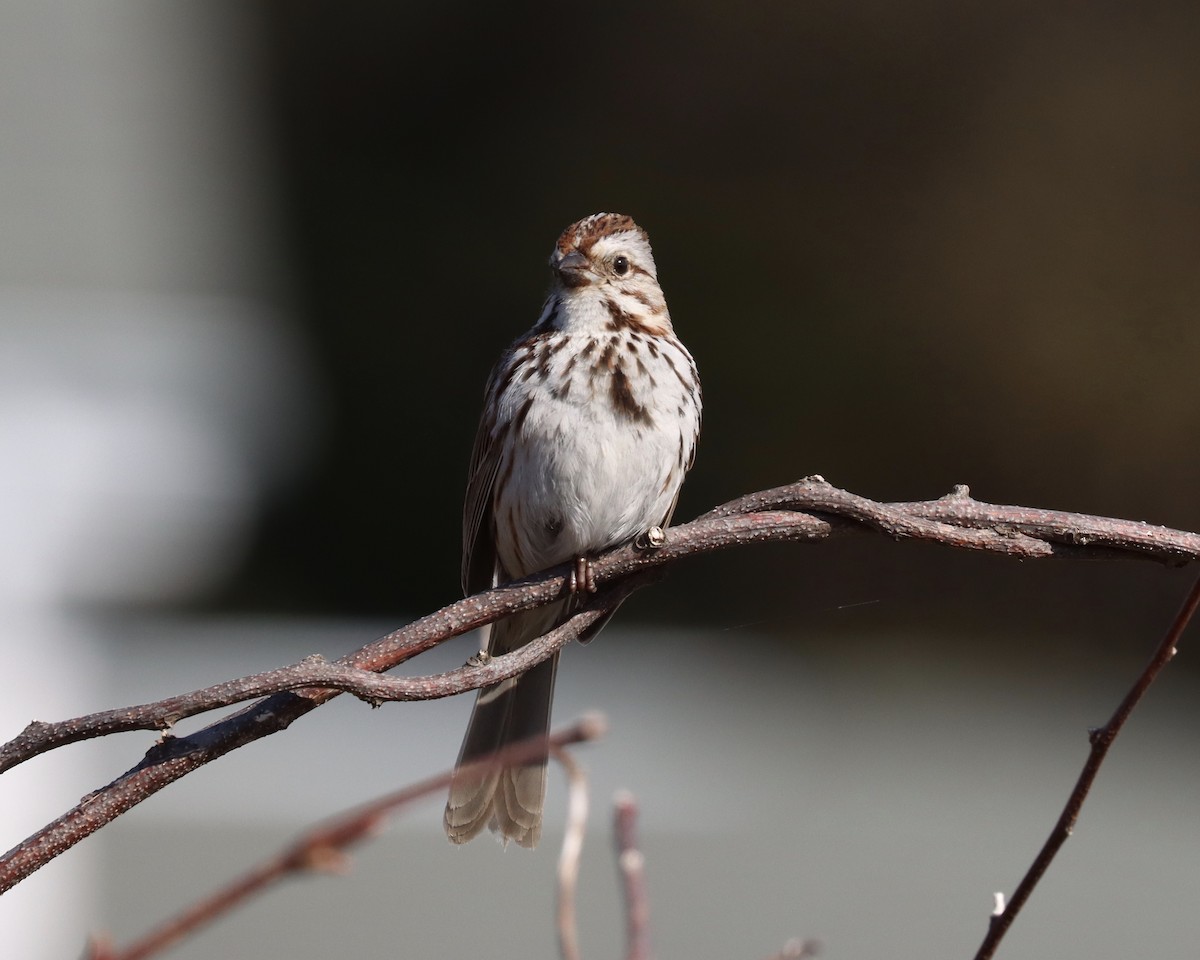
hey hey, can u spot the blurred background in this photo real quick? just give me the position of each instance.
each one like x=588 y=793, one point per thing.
x=256 y=260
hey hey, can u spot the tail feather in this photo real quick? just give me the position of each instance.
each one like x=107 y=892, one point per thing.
x=507 y=800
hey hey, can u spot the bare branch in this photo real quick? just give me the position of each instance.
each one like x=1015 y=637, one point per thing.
x=771 y=515
x=323 y=849
x=958 y=520
x=171 y=759
x=955 y=520
x=320 y=680
x=1101 y=739
x=313 y=672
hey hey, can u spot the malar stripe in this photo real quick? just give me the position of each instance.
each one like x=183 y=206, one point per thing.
x=622 y=319
x=617 y=317
x=637 y=295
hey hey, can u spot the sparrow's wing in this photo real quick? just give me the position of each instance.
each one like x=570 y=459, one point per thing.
x=479 y=548
x=688 y=456
x=508 y=799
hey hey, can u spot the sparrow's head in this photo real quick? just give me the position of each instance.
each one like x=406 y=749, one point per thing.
x=603 y=249
x=605 y=277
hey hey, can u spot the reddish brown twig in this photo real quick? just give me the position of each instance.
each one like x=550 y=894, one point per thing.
x=324 y=848
x=631 y=865
x=1101 y=740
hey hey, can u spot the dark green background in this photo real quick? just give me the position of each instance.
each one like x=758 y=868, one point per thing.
x=910 y=245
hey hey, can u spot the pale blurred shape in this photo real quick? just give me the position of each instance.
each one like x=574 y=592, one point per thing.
x=138 y=442
x=152 y=390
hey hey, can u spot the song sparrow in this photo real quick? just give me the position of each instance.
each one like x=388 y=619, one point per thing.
x=589 y=425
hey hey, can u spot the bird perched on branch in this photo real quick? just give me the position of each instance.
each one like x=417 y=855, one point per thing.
x=589 y=424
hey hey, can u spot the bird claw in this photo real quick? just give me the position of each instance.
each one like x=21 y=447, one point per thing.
x=652 y=539
x=582 y=578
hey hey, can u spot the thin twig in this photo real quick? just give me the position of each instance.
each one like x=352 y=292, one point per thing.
x=572 y=852
x=323 y=849
x=1101 y=740
x=631 y=865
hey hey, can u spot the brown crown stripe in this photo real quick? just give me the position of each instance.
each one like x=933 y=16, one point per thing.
x=582 y=235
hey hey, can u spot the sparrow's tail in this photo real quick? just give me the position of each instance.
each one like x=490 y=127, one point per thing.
x=509 y=800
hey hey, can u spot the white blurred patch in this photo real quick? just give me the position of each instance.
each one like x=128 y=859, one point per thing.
x=138 y=434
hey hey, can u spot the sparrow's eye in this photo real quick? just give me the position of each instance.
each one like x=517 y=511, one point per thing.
x=621 y=266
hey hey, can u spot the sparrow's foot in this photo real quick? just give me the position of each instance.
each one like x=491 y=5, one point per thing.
x=582 y=578
x=652 y=539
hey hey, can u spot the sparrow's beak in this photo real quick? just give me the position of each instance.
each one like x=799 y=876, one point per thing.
x=572 y=262
x=571 y=269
